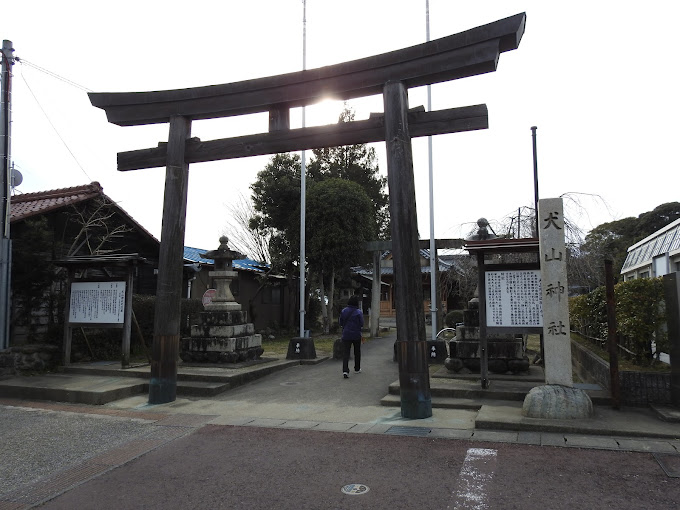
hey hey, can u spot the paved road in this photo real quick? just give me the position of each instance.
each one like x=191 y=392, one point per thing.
x=194 y=453
x=258 y=468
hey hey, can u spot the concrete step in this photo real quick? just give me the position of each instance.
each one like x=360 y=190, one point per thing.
x=103 y=382
x=95 y=389
x=81 y=389
x=437 y=402
x=499 y=389
x=199 y=388
x=234 y=374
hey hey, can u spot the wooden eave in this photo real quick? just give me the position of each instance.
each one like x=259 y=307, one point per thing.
x=526 y=245
x=114 y=260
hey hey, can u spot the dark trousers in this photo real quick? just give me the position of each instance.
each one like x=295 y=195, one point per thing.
x=347 y=345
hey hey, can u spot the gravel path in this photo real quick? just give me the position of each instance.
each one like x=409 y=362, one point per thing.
x=37 y=442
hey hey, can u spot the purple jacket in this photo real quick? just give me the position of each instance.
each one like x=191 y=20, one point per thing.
x=351 y=320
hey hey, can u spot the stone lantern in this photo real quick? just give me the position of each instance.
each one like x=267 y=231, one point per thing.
x=223 y=333
x=222 y=277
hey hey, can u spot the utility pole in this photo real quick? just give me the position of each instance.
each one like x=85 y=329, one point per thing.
x=5 y=182
x=533 y=139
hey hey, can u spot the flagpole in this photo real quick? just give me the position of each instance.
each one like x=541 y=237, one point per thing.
x=433 y=250
x=303 y=184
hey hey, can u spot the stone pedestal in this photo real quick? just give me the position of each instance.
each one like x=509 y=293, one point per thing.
x=221 y=337
x=301 y=348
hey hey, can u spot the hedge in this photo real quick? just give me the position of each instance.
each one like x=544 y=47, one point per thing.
x=640 y=315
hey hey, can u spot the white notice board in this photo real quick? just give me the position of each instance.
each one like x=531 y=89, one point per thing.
x=513 y=298
x=97 y=302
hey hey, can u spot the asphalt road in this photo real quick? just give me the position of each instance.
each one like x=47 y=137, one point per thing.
x=260 y=468
x=110 y=458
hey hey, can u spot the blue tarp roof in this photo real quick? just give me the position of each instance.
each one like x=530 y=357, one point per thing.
x=245 y=264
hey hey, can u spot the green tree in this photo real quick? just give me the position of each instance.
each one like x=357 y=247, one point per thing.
x=276 y=202
x=613 y=239
x=659 y=217
x=339 y=221
x=357 y=163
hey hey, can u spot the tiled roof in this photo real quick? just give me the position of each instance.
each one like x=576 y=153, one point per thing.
x=27 y=205
x=444 y=264
x=194 y=255
x=246 y=264
x=30 y=204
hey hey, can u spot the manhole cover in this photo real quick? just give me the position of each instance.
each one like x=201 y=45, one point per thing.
x=289 y=383
x=408 y=431
x=355 y=489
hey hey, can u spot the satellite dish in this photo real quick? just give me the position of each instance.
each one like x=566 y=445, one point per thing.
x=17 y=178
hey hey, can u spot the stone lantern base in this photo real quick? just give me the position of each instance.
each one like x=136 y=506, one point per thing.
x=221 y=337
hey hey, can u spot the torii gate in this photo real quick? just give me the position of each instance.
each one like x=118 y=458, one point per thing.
x=475 y=51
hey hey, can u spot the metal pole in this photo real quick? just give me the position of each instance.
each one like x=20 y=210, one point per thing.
x=5 y=137
x=612 y=335
x=533 y=136
x=303 y=184
x=433 y=249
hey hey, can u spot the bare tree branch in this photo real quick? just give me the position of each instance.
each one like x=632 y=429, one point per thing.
x=252 y=242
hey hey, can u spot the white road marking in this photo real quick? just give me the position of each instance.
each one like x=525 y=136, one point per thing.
x=475 y=475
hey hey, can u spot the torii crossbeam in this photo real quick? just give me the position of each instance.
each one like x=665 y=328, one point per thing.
x=475 y=51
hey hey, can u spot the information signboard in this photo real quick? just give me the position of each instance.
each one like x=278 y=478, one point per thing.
x=97 y=302
x=513 y=298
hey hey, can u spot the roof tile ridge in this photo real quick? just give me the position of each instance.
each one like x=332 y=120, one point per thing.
x=94 y=187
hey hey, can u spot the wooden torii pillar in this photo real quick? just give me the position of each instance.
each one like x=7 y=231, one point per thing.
x=475 y=51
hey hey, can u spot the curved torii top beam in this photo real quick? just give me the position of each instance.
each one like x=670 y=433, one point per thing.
x=468 y=53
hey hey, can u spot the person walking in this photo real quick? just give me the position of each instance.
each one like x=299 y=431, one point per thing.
x=351 y=321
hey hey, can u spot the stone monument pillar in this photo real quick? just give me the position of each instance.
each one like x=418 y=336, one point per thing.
x=557 y=399
x=555 y=288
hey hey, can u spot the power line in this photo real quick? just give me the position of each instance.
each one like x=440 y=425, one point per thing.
x=50 y=73
x=54 y=128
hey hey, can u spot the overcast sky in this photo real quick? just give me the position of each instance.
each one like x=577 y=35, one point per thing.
x=598 y=79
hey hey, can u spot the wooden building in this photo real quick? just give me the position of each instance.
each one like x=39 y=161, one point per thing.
x=53 y=225
x=655 y=255
x=364 y=276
